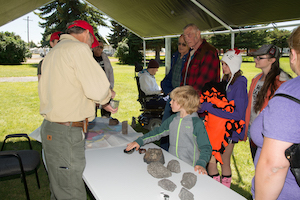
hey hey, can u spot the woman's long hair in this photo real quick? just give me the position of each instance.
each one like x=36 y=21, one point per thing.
x=236 y=75
x=268 y=83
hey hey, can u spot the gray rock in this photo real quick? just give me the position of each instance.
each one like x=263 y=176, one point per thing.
x=167 y=185
x=188 y=180
x=174 y=166
x=154 y=155
x=158 y=170
x=184 y=194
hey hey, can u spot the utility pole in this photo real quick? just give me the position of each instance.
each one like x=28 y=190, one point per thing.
x=27 y=28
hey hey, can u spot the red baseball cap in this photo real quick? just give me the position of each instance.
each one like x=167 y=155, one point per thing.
x=83 y=24
x=55 y=35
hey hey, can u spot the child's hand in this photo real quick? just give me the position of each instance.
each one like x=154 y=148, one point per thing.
x=132 y=145
x=201 y=169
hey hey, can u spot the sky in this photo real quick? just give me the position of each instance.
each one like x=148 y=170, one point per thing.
x=19 y=27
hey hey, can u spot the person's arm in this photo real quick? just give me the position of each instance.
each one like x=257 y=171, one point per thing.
x=166 y=83
x=271 y=169
x=240 y=101
x=203 y=144
x=92 y=78
x=148 y=85
x=109 y=68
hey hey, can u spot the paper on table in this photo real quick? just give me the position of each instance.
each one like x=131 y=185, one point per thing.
x=112 y=135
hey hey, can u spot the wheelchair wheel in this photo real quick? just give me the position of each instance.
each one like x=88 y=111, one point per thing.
x=154 y=122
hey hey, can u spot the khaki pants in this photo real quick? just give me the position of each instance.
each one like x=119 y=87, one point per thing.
x=65 y=160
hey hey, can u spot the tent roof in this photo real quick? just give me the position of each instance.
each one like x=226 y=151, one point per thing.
x=154 y=18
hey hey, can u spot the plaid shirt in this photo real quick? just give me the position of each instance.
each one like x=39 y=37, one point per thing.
x=204 y=67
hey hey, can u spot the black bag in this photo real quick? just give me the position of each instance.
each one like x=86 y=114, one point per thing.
x=293 y=155
x=293 y=152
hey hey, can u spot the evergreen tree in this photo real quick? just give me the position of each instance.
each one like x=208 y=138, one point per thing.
x=118 y=34
x=128 y=50
x=59 y=13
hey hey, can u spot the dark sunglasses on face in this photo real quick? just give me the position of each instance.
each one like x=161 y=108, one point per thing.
x=183 y=44
x=258 y=58
x=101 y=47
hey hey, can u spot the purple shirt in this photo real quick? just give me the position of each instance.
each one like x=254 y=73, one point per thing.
x=280 y=120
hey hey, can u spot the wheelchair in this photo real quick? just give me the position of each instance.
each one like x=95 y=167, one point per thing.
x=151 y=116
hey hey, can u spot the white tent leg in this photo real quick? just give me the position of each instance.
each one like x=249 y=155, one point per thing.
x=144 y=49
x=232 y=40
x=167 y=55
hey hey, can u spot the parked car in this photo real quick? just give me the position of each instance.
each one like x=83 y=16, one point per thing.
x=107 y=52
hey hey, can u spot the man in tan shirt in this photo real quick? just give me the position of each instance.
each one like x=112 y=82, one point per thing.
x=71 y=84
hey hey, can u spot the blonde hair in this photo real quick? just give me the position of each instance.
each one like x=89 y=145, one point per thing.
x=187 y=97
x=294 y=40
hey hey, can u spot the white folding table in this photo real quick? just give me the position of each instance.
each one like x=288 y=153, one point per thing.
x=111 y=174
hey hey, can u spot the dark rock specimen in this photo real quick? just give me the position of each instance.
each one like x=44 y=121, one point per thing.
x=174 y=166
x=158 y=170
x=188 y=180
x=184 y=194
x=154 y=155
x=167 y=185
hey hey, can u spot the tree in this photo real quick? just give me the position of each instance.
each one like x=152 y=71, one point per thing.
x=118 y=34
x=220 y=41
x=251 y=39
x=243 y=40
x=279 y=37
x=128 y=49
x=59 y=13
x=13 y=50
x=156 y=46
x=31 y=44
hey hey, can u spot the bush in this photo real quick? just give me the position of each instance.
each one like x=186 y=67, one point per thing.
x=13 y=50
x=128 y=52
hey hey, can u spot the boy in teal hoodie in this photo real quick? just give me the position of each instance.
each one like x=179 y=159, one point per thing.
x=188 y=137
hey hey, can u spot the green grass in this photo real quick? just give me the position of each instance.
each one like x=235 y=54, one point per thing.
x=18 y=70
x=20 y=113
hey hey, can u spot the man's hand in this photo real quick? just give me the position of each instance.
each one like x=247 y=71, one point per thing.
x=108 y=108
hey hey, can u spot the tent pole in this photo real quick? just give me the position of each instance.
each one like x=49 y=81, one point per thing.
x=232 y=40
x=211 y=14
x=167 y=55
x=144 y=49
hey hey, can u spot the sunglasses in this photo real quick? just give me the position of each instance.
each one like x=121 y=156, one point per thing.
x=183 y=44
x=101 y=47
x=259 y=58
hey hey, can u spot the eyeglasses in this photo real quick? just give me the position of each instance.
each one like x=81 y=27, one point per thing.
x=101 y=47
x=183 y=44
x=259 y=58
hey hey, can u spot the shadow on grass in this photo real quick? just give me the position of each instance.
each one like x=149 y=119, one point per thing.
x=32 y=65
x=235 y=187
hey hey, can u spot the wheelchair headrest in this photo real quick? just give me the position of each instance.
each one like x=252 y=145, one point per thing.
x=138 y=67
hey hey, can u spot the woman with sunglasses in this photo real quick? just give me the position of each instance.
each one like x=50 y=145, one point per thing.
x=263 y=85
x=172 y=80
